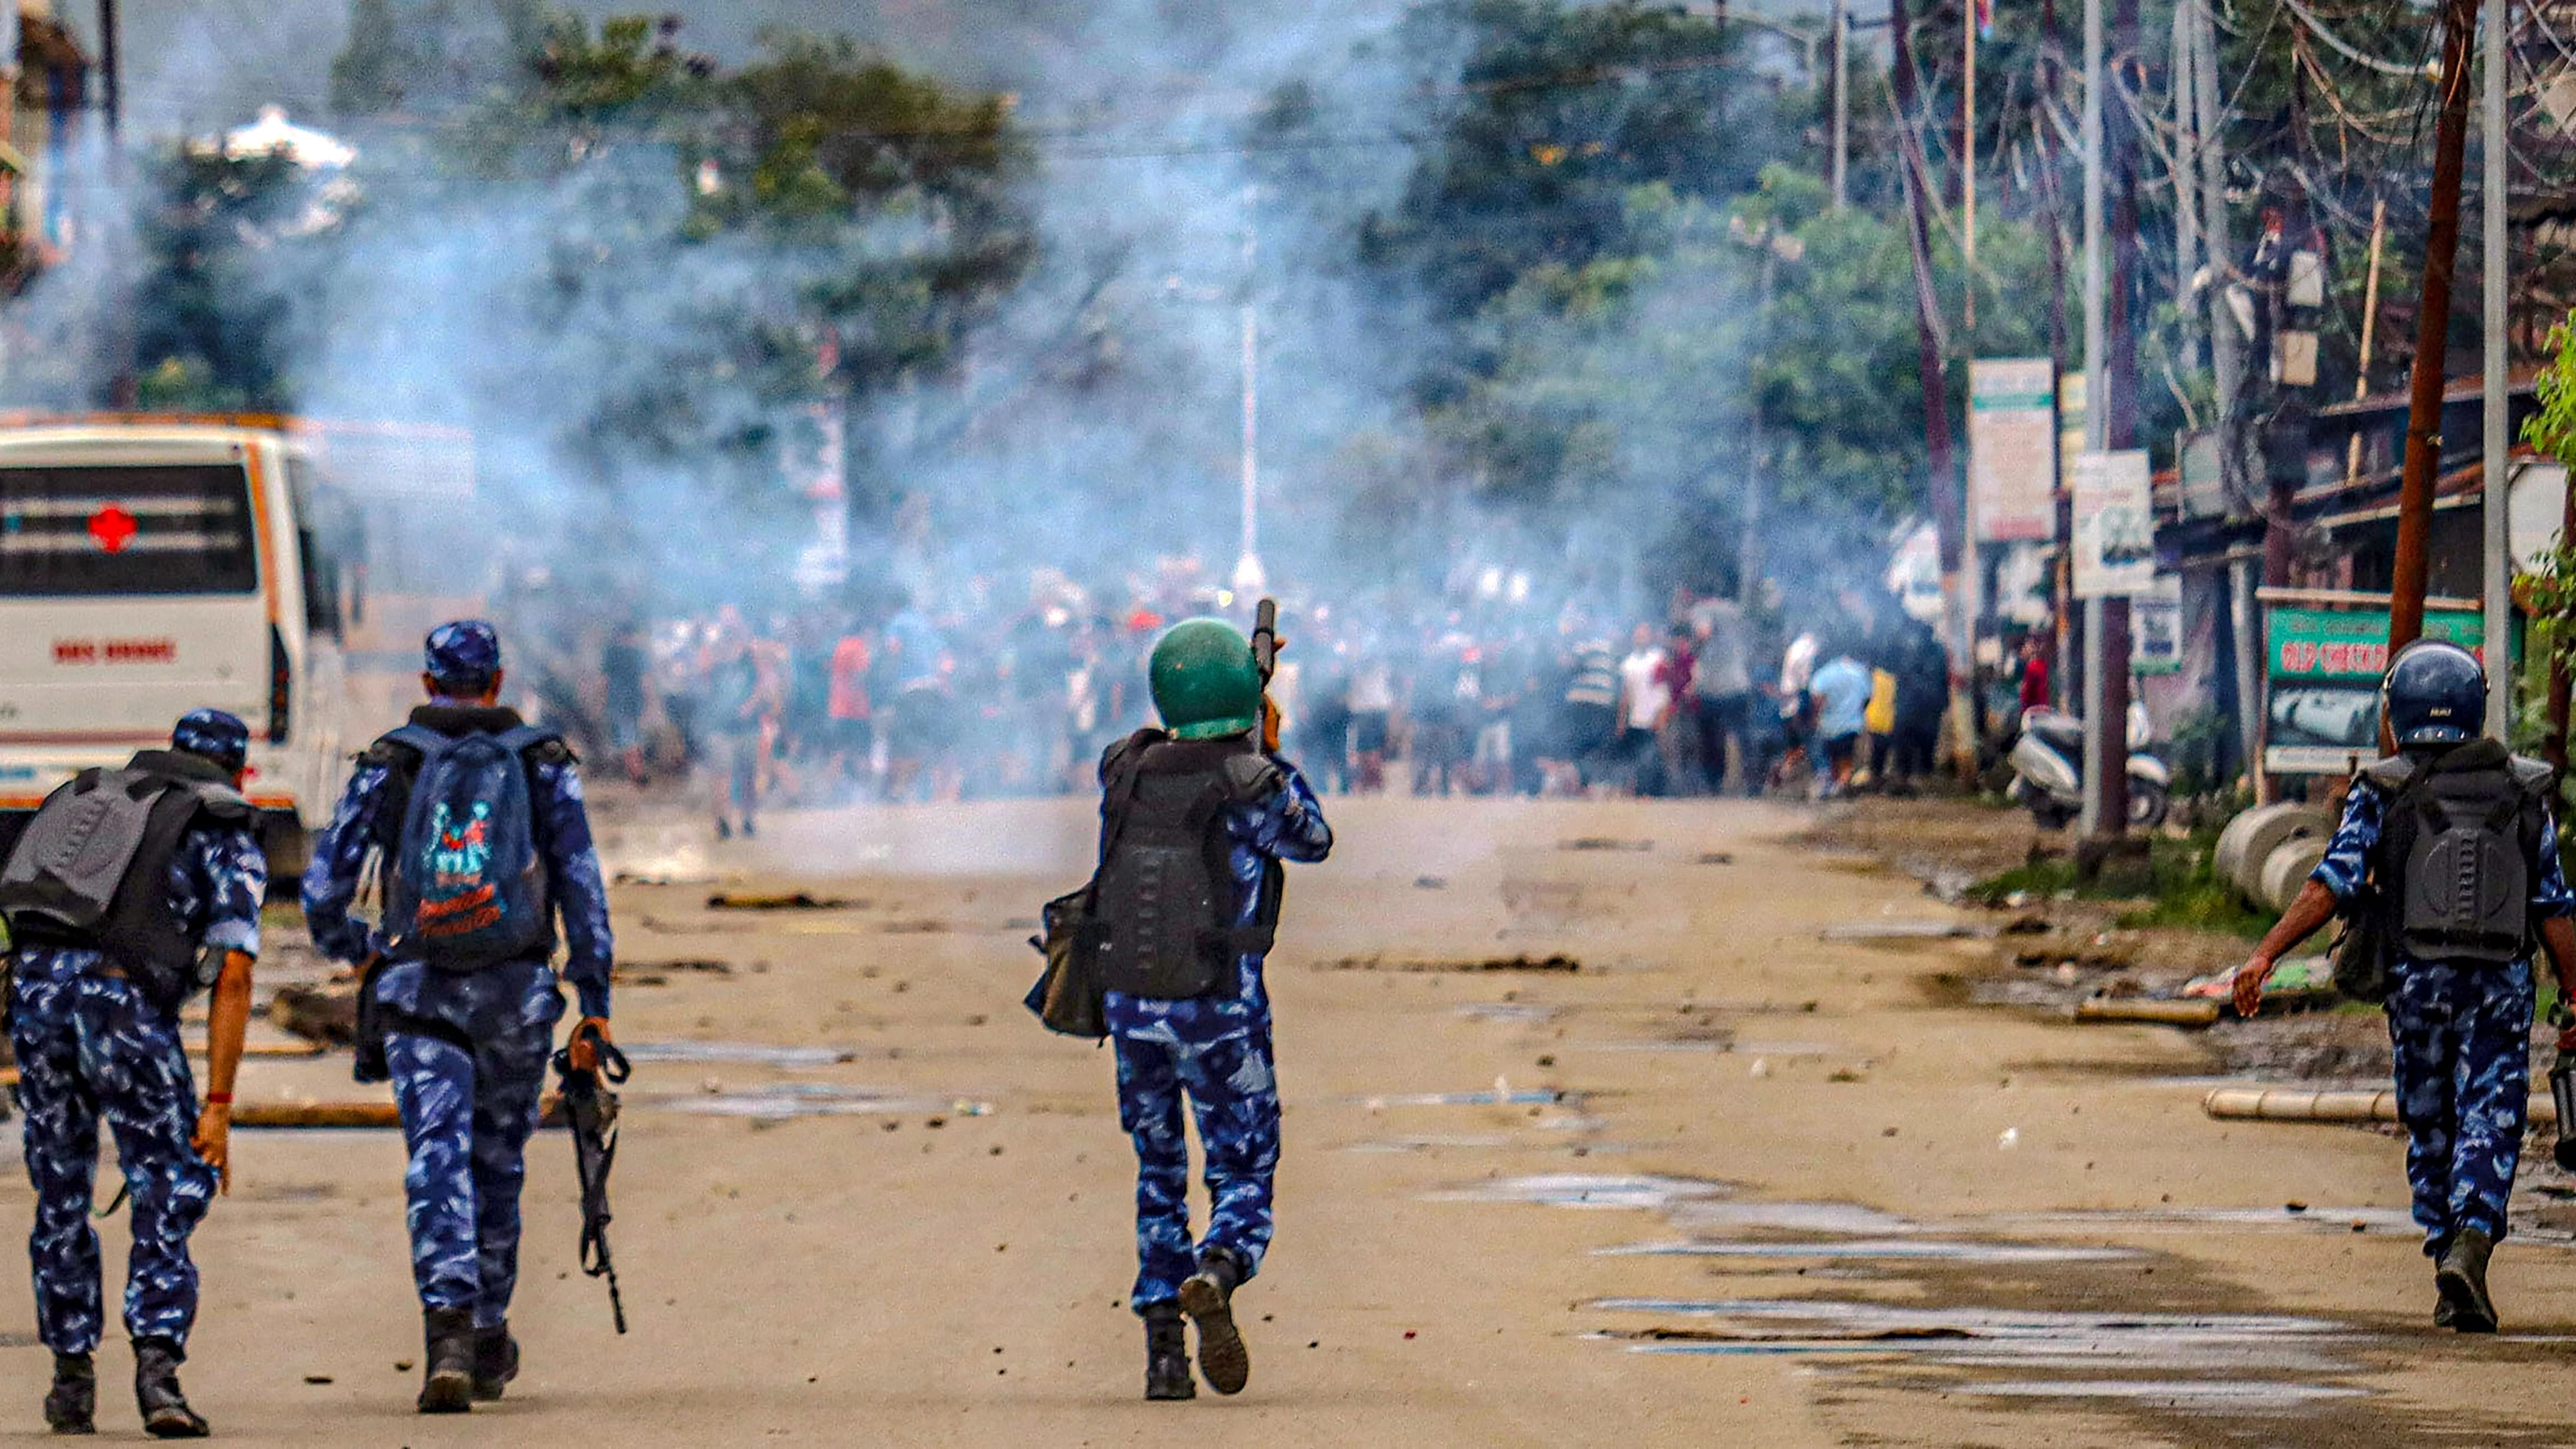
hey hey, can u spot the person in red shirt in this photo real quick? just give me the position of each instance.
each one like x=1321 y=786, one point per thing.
x=853 y=732
x=2034 y=672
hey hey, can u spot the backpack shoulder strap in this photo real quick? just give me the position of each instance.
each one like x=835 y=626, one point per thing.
x=1253 y=776
x=2532 y=777
x=527 y=739
x=223 y=802
x=420 y=741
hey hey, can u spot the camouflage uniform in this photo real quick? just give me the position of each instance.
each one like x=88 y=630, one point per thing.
x=468 y=1052
x=90 y=1043
x=2461 y=1034
x=1216 y=1050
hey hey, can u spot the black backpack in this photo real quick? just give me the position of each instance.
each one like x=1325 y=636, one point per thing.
x=1162 y=903
x=92 y=870
x=2459 y=853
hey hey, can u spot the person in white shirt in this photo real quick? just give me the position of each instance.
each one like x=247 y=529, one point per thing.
x=1645 y=702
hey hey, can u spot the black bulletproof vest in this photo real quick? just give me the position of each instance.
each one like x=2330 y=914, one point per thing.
x=1164 y=901
x=2462 y=839
x=139 y=930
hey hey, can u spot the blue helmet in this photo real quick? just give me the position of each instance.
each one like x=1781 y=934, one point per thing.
x=214 y=735
x=462 y=656
x=2435 y=694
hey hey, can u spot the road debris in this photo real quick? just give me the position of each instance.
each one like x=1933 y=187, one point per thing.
x=1555 y=962
x=1904 y=929
x=326 y=1012
x=781 y=901
x=2153 y=1010
x=317 y=1114
x=2328 y=1104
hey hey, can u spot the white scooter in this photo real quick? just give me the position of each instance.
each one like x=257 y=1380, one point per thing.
x=2048 y=770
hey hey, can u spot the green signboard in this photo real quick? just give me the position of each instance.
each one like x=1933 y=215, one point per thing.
x=2344 y=644
x=2322 y=672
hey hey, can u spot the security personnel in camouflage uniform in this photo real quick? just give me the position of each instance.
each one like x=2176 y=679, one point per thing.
x=2453 y=844
x=467 y=1052
x=1213 y=1047
x=91 y=1039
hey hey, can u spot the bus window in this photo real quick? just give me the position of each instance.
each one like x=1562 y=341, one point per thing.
x=321 y=586
x=127 y=530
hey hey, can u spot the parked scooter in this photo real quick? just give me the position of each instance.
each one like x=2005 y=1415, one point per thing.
x=2048 y=770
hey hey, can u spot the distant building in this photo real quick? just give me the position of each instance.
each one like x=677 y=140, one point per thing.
x=49 y=84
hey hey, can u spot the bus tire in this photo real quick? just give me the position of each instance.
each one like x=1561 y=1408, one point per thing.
x=282 y=838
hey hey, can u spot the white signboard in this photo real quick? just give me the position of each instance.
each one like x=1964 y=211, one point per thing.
x=2012 y=437
x=2155 y=627
x=2115 y=526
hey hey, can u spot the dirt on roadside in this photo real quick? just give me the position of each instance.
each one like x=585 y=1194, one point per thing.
x=2053 y=950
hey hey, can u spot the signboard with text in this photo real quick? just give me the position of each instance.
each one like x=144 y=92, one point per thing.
x=2321 y=677
x=2115 y=526
x=2155 y=628
x=2012 y=440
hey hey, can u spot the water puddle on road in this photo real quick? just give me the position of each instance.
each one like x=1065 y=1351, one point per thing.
x=1815 y=1218
x=1948 y=1250
x=1432 y=1143
x=1520 y=1011
x=814 y=1099
x=2194 y=1363
x=2188 y=1394
x=741 y=1052
x=2191 y=1219
x=1505 y=1097
x=1648 y=1191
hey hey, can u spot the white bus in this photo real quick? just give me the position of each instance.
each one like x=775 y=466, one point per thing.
x=149 y=566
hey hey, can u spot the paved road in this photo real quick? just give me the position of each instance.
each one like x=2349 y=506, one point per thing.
x=1729 y=1182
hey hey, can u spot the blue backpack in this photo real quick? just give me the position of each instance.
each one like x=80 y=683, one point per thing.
x=465 y=884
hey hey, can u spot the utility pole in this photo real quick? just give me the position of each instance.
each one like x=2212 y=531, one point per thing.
x=1249 y=576
x=1841 y=25
x=2096 y=415
x=1968 y=166
x=2186 y=179
x=122 y=386
x=2053 y=196
x=1946 y=520
x=2432 y=330
x=2119 y=410
x=2227 y=365
x=111 y=77
x=2497 y=138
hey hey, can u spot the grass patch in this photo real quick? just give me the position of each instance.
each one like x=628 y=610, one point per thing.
x=2186 y=893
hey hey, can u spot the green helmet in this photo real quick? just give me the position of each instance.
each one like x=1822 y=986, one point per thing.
x=1206 y=686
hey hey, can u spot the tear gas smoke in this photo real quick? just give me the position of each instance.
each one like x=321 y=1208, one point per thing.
x=1184 y=164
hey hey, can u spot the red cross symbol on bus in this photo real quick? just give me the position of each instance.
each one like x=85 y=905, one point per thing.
x=113 y=527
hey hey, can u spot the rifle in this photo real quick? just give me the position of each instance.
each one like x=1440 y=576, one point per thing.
x=1265 y=639
x=591 y=1111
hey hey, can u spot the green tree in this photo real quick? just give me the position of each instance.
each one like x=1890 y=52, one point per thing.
x=1555 y=113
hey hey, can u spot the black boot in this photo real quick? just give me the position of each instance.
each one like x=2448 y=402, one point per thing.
x=166 y=1414
x=71 y=1405
x=447 y=1376
x=1167 y=1354
x=496 y=1361
x=1207 y=1296
x=2462 y=1279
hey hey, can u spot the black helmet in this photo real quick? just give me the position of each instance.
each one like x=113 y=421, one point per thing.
x=2435 y=694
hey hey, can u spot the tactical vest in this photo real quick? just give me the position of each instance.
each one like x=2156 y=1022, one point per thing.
x=2459 y=852
x=1164 y=900
x=93 y=869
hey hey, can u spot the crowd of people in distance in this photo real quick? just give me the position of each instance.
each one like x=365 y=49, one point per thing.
x=1475 y=693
